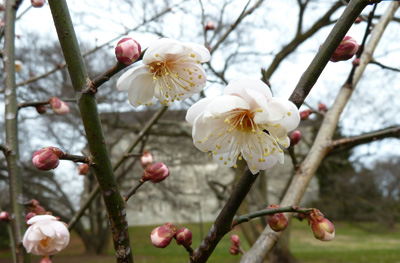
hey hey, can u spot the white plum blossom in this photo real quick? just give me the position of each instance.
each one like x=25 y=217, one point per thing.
x=245 y=122
x=172 y=71
x=45 y=236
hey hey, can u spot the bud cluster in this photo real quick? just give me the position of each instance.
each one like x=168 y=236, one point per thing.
x=162 y=236
x=235 y=247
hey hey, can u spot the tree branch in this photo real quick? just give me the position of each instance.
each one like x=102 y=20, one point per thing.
x=11 y=129
x=91 y=121
x=223 y=223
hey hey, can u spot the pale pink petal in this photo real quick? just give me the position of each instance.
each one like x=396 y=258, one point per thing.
x=163 y=48
x=224 y=104
x=201 y=51
x=38 y=218
x=284 y=112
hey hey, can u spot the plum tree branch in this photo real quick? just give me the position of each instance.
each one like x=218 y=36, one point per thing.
x=319 y=149
x=11 y=129
x=91 y=121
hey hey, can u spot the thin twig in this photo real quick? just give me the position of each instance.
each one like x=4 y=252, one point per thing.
x=132 y=190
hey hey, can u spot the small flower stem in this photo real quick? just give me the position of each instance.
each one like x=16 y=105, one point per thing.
x=132 y=190
x=12 y=244
x=223 y=223
x=133 y=155
x=241 y=250
x=38 y=103
x=245 y=218
x=76 y=158
x=11 y=129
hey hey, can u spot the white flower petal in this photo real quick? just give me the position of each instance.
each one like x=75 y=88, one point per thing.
x=141 y=91
x=224 y=104
x=239 y=85
x=38 y=218
x=201 y=51
x=124 y=82
x=196 y=109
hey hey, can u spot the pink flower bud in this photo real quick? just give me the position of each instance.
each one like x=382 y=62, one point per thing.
x=83 y=169
x=305 y=114
x=37 y=3
x=41 y=109
x=146 y=159
x=323 y=228
x=161 y=236
x=356 y=62
x=295 y=137
x=47 y=158
x=33 y=203
x=59 y=107
x=210 y=25
x=38 y=210
x=184 y=237
x=358 y=20
x=156 y=172
x=278 y=221
x=18 y=66
x=234 y=250
x=346 y=49
x=321 y=106
x=127 y=51
x=29 y=216
x=45 y=259
x=235 y=240
x=5 y=217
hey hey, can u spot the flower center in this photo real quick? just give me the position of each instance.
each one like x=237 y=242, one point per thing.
x=242 y=120
x=160 y=68
x=44 y=242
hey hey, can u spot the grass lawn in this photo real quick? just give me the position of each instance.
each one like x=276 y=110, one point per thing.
x=352 y=244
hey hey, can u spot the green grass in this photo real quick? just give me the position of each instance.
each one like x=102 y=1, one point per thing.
x=351 y=245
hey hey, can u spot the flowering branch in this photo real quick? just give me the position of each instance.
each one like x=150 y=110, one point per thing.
x=245 y=218
x=87 y=105
x=77 y=158
x=319 y=150
x=11 y=129
x=61 y=66
x=346 y=143
x=38 y=103
x=319 y=62
x=223 y=223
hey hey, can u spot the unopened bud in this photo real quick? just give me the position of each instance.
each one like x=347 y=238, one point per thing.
x=41 y=109
x=127 y=51
x=305 y=114
x=323 y=228
x=356 y=62
x=83 y=169
x=358 y=20
x=29 y=216
x=295 y=137
x=321 y=106
x=59 y=107
x=5 y=217
x=234 y=250
x=45 y=259
x=278 y=221
x=38 y=210
x=18 y=66
x=184 y=237
x=235 y=240
x=161 y=236
x=146 y=159
x=346 y=49
x=37 y=3
x=47 y=158
x=33 y=203
x=156 y=173
x=210 y=25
